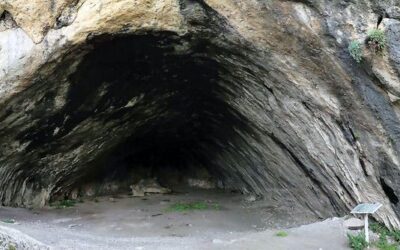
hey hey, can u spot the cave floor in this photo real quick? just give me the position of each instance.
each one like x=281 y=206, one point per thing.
x=154 y=222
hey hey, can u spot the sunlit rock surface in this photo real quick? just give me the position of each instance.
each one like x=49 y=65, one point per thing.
x=263 y=94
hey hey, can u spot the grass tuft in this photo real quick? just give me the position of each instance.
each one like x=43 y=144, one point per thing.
x=191 y=206
x=281 y=234
x=63 y=204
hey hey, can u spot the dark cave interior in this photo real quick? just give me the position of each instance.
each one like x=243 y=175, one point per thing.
x=168 y=97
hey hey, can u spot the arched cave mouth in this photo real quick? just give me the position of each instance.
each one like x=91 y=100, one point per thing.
x=160 y=100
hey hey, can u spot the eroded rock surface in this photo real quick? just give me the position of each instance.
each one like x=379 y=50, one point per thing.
x=14 y=239
x=261 y=93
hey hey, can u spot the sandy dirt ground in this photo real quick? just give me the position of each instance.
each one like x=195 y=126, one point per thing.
x=148 y=223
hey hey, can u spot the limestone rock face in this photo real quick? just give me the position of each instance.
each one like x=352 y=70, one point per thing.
x=35 y=17
x=264 y=94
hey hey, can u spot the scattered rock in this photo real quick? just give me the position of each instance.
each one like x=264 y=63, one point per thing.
x=354 y=224
x=74 y=225
x=74 y=194
x=148 y=186
x=201 y=183
x=250 y=198
x=88 y=190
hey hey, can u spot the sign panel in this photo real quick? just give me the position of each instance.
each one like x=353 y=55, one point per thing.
x=366 y=208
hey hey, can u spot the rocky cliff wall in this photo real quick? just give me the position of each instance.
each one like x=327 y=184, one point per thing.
x=263 y=93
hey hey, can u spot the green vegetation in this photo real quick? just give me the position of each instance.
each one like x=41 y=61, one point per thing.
x=9 y=221
x=355 y=51
x=383 y=243
x=382 y=230
x=379 y=228
x=384 y=234
x=281 y=234
x=376 y=40
x=11 y=247
x=395 y=234
x=191 y=206
x=63 y=204
x=357 y=242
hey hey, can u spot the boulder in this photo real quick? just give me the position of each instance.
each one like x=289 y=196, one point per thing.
x=354 y=224
x=393 y=12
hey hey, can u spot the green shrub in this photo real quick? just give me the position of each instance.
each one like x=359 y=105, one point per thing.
x=376 y=40
x=63 y=204
x=281 y=234
x=357 y=242
x=355 y=51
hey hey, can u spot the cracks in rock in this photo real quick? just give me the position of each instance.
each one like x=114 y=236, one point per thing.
x=270 y=89
x=199 y=14
x=349 y=194
x=389 y=192
x=7 y=21
x=308 y=3
x=359 y=150
x=352 y=137
x=309 y=172
x=308 y=107
x=363 y=166
x=67 y=16
x=380 y=18
x=348 y=135
x=318 y=186
x=355 y=136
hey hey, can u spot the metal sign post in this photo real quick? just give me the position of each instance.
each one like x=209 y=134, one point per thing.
x=366 y=209
x=366 y=228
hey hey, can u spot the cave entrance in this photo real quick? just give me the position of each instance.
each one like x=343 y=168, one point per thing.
x=158 y=98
